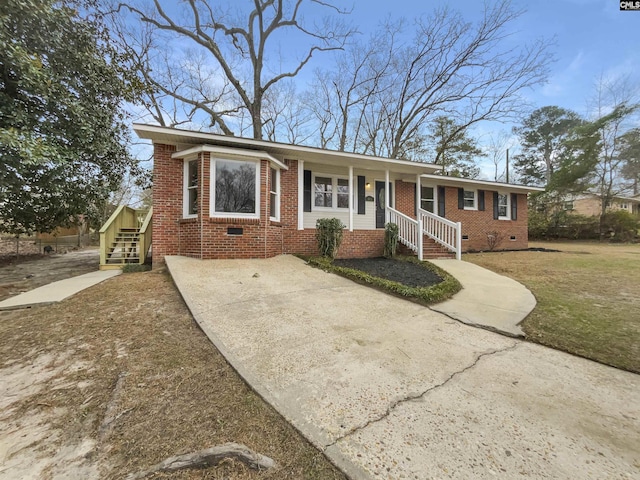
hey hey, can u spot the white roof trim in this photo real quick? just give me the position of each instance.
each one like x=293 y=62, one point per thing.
x=230 y=152
x=155 y=132
x=453 y=181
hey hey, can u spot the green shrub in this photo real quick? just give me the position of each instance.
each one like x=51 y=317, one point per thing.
x=619 y=226
x=329 y=236
x=390 y=240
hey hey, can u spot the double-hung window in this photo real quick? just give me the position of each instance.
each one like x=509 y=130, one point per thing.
x=503 y=206
x=235 y=188
x=470 y=200
x=274 y=194
x=190 y=195
x=331 y=192
x=427 y=199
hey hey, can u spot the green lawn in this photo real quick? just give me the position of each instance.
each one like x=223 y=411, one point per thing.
x=588 y=297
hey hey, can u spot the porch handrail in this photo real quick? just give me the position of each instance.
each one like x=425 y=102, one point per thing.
x=145 y=235
x=408 y=230
x=442 y=231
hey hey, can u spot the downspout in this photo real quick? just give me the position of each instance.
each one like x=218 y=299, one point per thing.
x=267 y=195
x=201 y=200
x=351 y=198
x=300 y=194
x=386 y=196
x=419 y=218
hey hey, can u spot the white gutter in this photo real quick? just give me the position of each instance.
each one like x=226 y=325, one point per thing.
x=488 y=185
x=230 y=152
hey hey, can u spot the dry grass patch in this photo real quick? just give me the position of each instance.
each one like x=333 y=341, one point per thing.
x=141 y=359
x=588 y=297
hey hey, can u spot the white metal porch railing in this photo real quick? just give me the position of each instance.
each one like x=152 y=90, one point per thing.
x=442 y=231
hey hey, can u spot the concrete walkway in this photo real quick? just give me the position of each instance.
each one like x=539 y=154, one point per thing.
x=389 y=389
x=57 y=291
x=487 y=300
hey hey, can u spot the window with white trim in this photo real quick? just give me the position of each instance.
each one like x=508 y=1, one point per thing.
x=190 y=195
x=428 y=199
x=330 y=192
x=503 y=206
x=470 y=200
x=274 y=194
x=235 y=188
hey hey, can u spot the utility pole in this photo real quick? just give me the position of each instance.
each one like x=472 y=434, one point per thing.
x=507 y=169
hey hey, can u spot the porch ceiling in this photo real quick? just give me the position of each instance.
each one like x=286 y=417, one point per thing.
x=184 y=139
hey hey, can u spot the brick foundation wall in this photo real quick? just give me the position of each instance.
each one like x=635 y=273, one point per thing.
x=356 y=244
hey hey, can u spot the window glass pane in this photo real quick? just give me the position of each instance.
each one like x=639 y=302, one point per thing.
x=193 y=174
x=469 y=198
x=274 y=179
x=193 y=201
x=235 y=186
x=322 y=189
x=192 y=188
x=272 y=204
x=427 y=199
x=343 y=193
x=503 y=203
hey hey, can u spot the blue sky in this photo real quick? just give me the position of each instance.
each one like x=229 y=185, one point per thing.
x=593 y=37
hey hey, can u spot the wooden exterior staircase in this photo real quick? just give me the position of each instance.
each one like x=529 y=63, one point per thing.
x=125 y=238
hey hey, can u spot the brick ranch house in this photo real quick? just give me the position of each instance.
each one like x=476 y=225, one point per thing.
x=217 y=196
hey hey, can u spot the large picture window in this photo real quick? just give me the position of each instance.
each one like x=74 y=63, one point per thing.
x=331 y=192
x=235 y=187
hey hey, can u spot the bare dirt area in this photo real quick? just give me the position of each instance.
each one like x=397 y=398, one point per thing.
x=119 y=377
x=37 y=269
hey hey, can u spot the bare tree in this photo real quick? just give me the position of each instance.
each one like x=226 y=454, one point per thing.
x=464 y=71
x=340 y=97
x=496 y=150
x=234 y=62
x=616 y=100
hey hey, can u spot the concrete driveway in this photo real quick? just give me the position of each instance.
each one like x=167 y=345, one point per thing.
x=389 y=389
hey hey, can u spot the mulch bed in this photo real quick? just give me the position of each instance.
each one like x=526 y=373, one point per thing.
x=406 y=273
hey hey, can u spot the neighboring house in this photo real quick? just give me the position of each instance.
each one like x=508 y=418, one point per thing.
x=217 y=196
x=590 y=204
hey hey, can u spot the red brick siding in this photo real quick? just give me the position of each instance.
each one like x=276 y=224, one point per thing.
x=406 y=198
x=262 y=238
x=167 y=202
x=476 y=224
